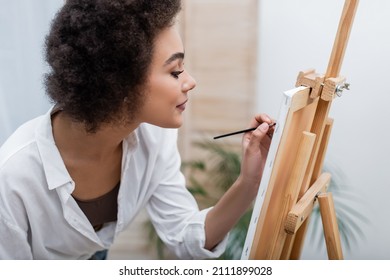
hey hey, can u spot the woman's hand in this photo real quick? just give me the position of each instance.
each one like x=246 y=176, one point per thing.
x=255 y=145
x=233 y=204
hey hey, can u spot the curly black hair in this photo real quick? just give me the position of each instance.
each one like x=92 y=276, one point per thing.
x=99 y=52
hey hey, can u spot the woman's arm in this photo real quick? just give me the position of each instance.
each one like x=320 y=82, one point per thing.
x=233 y=204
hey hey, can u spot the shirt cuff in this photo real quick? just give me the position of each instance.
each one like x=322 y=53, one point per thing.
x=195 y=239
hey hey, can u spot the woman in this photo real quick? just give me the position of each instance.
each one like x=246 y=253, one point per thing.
x=73 y=179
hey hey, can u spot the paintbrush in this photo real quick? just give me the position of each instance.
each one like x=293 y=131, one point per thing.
x=240 y=131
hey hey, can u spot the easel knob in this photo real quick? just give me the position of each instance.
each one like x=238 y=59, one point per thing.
x=340 y=89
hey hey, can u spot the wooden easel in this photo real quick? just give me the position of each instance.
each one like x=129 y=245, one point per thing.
x=296 y=181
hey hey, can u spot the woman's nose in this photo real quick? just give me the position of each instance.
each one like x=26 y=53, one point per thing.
x=189 y=83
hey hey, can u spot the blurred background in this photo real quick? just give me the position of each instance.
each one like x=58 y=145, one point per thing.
x=244 y=55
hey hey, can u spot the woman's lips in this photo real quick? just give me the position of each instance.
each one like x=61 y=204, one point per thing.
x=182 y=106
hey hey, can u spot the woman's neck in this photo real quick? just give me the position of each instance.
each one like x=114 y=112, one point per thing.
x=73 y=140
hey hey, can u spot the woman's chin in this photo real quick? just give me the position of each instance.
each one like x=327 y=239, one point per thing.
x=176 y=123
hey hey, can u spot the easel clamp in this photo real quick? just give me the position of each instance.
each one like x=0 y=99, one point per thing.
x=326 y=88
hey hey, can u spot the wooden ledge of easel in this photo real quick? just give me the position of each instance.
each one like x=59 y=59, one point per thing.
x=304 y=206
x=326 y=88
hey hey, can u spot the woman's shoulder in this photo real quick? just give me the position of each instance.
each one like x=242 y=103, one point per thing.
x=19 y=142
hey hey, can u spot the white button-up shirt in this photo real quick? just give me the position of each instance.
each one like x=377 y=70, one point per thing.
x=39 y=219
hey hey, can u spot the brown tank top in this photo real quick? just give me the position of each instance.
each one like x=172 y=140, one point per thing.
x=102 y=209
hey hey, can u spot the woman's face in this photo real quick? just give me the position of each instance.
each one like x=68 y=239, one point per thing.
x=168 y=82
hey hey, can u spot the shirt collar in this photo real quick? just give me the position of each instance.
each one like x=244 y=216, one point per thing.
x=55 y=171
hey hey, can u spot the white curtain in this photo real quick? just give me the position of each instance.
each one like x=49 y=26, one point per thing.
x=23 y=27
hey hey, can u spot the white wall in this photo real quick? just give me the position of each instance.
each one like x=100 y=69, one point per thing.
x=298 y=34
x=23 y=26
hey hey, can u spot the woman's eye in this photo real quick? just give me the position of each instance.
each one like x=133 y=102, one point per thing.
x=176 y=74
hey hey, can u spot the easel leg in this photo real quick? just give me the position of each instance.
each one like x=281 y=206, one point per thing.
x=329 y=221
x=286 y=253
x=297 y=247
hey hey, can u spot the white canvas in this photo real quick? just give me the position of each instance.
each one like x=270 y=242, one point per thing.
x=280 y=124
